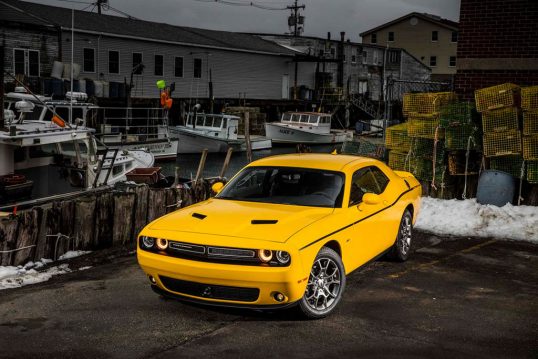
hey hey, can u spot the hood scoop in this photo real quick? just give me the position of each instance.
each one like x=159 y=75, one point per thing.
x=199 y=215
x=264 y=221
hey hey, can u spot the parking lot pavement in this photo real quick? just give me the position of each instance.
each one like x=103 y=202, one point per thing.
x=455 y=297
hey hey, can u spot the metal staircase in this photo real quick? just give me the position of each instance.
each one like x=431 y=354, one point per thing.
x=365 y=105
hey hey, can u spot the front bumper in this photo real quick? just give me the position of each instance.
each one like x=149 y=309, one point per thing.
x=268 y=280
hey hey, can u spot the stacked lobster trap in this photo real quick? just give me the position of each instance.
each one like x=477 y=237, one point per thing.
x=529 y=105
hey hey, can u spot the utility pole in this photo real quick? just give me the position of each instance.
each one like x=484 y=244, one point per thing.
x=99 y=3
x=295 y=20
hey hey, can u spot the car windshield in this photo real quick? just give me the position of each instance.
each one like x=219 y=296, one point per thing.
x=287 y=185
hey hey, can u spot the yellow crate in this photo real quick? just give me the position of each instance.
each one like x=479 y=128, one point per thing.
x=530 y=147
x=504 y=119
x=426 y=102
x=530 y=122
x=502 y=143
x=397 y=138
x=529 y=98
x=495 y=97
x=425 y=127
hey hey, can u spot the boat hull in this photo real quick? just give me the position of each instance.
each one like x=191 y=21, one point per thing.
x=190 y=142
x=162 y=149
x=284 y=134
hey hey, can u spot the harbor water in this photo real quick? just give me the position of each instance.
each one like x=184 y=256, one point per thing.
x=188 y=163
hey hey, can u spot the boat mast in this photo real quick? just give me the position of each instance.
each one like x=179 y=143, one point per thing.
x=72 y=55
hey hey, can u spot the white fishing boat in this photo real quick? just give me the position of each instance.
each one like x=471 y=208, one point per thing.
x=214 y=132
x=40 y=158
x=120 y=127
x=305 y=127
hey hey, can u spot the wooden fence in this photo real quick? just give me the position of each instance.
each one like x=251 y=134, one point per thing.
x=89 y=222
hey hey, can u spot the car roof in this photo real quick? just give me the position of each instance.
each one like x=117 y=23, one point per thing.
x=314 y=160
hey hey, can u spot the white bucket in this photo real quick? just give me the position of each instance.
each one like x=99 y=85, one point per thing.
x=98 y=88
x=82 y=85
x=57 y=69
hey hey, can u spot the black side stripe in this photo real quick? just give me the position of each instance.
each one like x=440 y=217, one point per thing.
x=360 y=220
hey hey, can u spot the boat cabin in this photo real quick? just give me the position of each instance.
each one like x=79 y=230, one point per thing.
x=314 y=121
x=217 y=125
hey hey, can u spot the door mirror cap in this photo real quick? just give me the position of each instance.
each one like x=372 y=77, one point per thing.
x=371 y=198
x=217 y=187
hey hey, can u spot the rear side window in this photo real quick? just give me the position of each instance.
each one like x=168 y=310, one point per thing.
x=367 y=180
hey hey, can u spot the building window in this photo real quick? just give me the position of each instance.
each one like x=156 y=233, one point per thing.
x=393 y=56
x=353 y=59
x=344 y=58
x=433 y=61
x=113 y=62
x=391 y=36
x=197 y=68
x=333 y=51
x=159 y=60
x=454 y=36
x=89 y=60
x=435 y=35
x=138 y=66
x=178 y=67
x=364 y=57
x=321 y=52
x=374 y=38
x=26 y=62
x=452 y=61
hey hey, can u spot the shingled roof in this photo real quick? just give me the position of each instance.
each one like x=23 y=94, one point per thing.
x=140 y=29
x=452 y=25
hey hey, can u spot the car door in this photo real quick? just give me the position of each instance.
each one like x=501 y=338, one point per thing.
x=369 y=235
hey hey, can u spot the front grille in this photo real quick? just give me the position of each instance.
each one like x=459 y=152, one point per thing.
x=230 y=252
x=186 y=247
x=211 y=291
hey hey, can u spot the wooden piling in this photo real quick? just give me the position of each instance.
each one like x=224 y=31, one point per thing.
x=201 y=166
x=247 y=137
x=226 y=163
x=124 y=215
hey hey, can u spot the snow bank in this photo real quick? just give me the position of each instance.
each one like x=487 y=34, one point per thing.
x=14 y=277
x=470 y=219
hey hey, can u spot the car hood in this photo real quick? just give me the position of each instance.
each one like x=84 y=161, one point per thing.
x=260 y=221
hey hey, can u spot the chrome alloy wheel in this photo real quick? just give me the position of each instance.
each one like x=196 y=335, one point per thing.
x=405 y=235
x=324 y=284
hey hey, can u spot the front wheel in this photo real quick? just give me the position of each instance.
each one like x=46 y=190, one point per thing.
x=402 y=246
x=325 y=285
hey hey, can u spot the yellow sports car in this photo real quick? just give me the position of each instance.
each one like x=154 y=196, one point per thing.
x=286 y=230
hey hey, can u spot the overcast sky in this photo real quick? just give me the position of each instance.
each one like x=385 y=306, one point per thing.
x=321 y=16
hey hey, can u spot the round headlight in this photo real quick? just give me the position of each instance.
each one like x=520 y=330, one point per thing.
x=148 y=242
x=283 y=257
x=162 y=244
x=265 y=255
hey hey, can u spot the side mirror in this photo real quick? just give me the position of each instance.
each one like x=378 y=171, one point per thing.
x=371 y=198
x=217 y=187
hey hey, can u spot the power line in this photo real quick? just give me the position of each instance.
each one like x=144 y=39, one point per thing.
x=239 y=3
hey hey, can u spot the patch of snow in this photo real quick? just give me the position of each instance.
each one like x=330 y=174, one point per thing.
x=72 y=254
x=468 y=218
x=84 y=268
x=14 y=277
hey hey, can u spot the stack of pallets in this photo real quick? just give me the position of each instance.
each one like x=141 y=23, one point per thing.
x=500 y=109
x=529 y=105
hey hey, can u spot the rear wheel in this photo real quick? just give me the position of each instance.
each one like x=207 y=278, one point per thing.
x=325 y=285
x=402 y=246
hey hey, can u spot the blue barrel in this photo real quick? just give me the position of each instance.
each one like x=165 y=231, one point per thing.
x=496 y=188
x=90 y=88
x=57 y=88
x=113 y=89
x=47 y=87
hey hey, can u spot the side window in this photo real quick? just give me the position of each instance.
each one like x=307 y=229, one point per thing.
x=367 y=180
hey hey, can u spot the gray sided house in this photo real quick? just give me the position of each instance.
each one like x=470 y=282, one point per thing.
x=110 y=49
x=362 y=70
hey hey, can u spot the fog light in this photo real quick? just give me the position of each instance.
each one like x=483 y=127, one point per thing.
x=279 y=297
x=162 y=244
x=152 y=280
x=265 y=255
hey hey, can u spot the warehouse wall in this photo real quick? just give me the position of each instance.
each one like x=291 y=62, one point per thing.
x=498 y=43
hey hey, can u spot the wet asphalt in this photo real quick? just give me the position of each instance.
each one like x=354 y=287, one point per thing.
x=454 y=298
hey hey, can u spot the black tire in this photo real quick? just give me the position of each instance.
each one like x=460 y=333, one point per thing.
x=325 y=286
x=401 y=248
